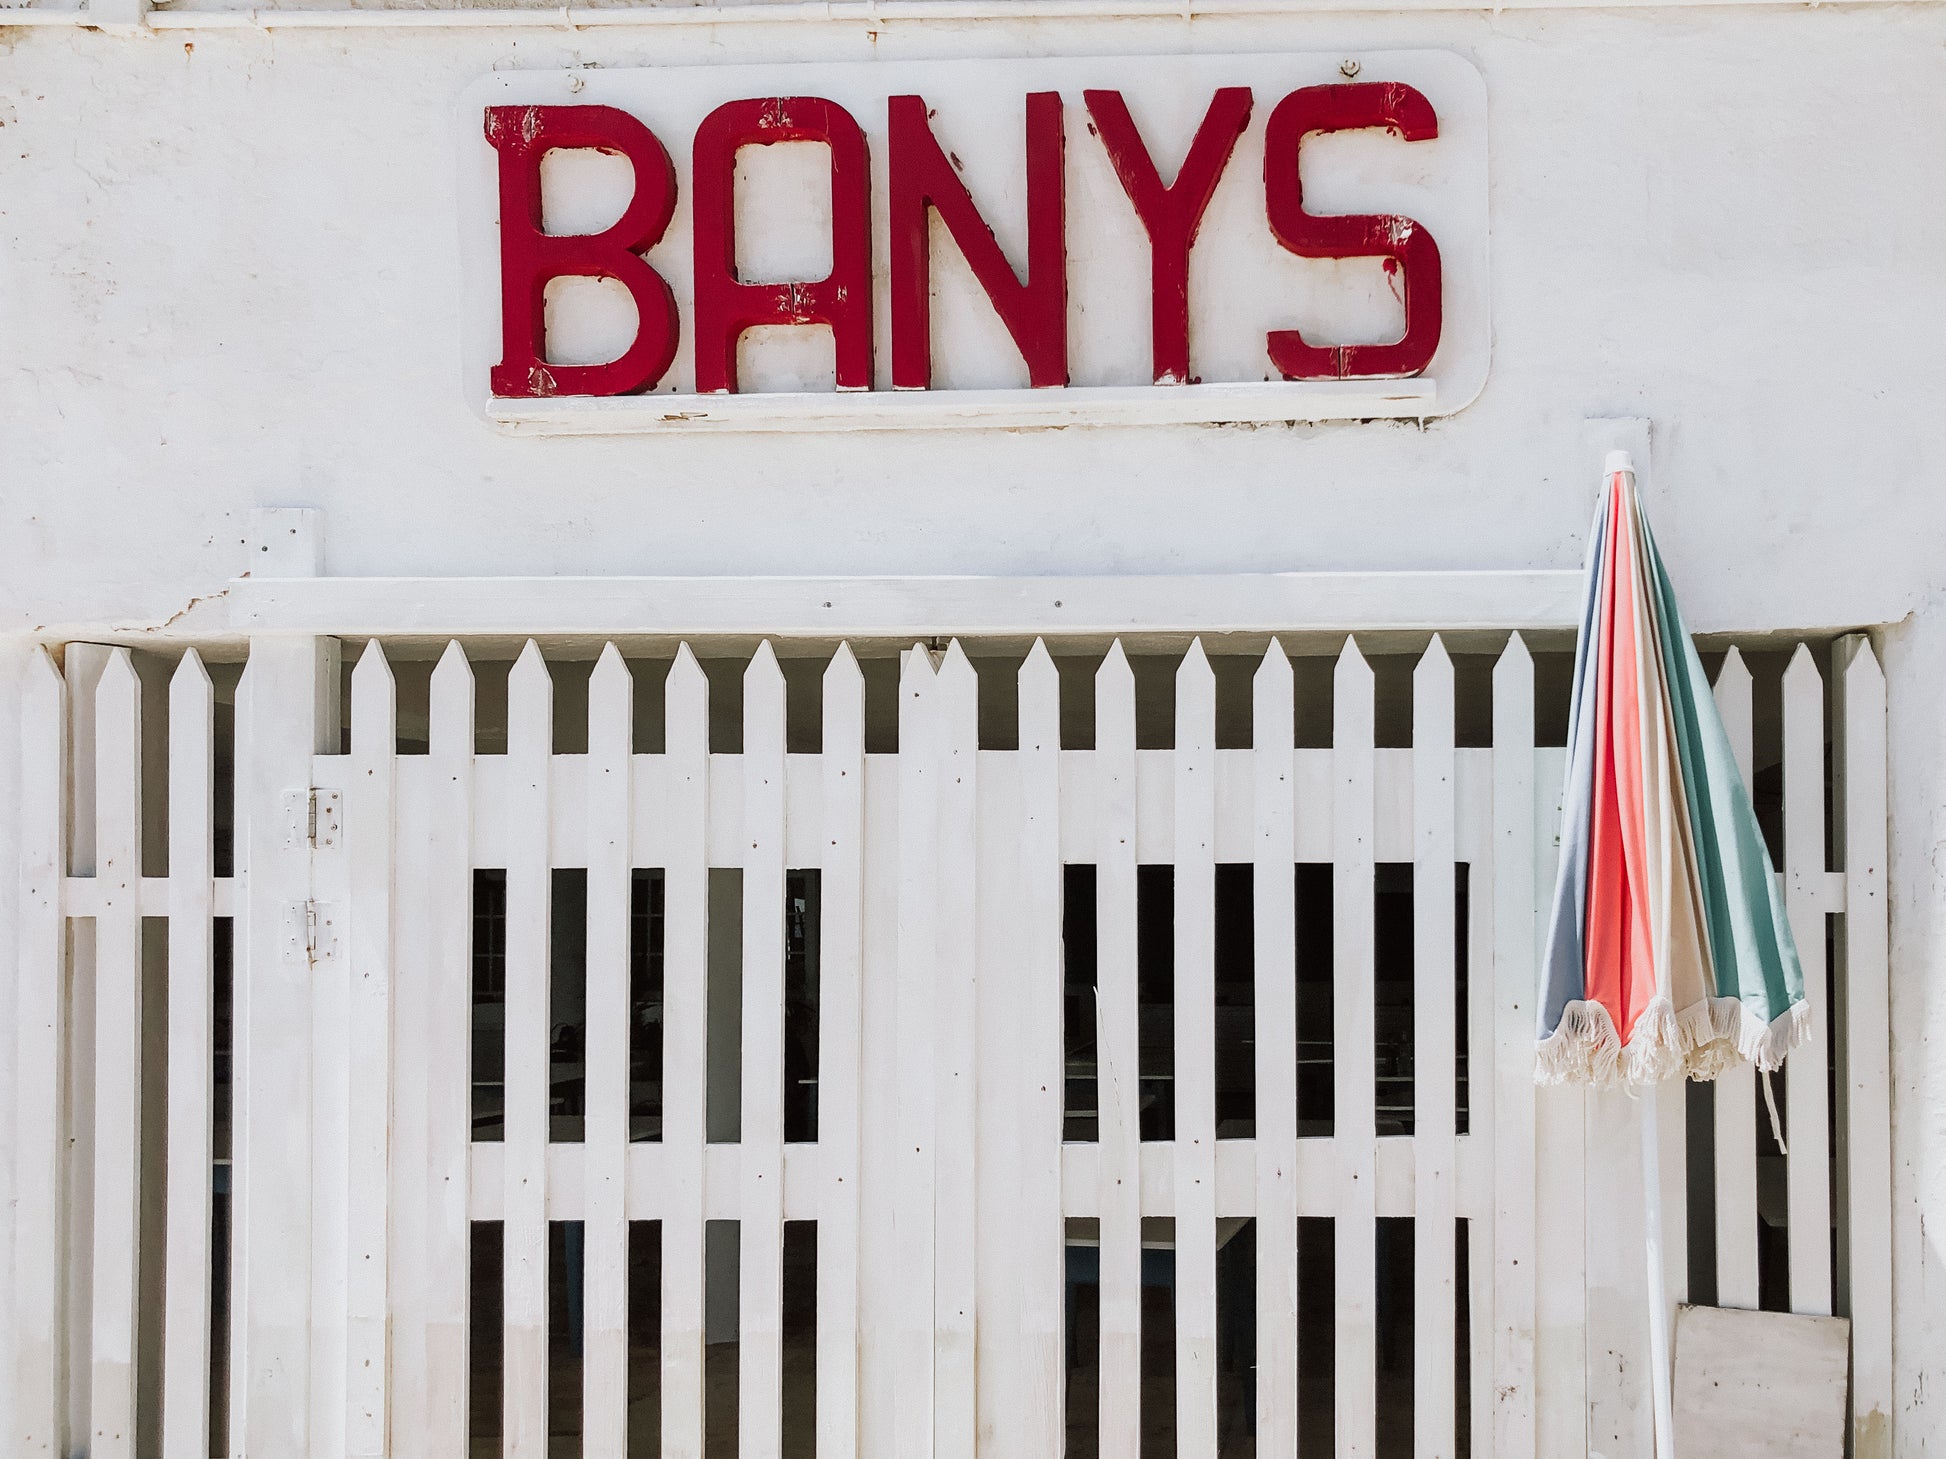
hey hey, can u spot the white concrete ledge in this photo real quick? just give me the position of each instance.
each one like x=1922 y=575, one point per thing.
x=1255 y=402
x=776 y=12
x=906 y=607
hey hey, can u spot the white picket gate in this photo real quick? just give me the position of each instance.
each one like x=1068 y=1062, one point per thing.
x=940 y=1181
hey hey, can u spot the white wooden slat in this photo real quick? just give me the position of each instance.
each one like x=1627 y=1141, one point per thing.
x=1274 y=910
x=1561 y=1185
x=1392 y=829
x=1620 y=1417
x=1435 y=1013
x=684 y=1045
x=449 y=1053
x=760 y=1288
x=186 y=1304
x=880 y=1289
x=1672 y=1137
x=1735 y=1092
x=1195 y=1065
x=242 y=1022
x=647 y=1181
x=370 y=832
x=1511 y=873
x=16 y=658
x=330 y=1128
x=530 y=732
x=1474 y=1153
x=1859 y=764
x=916 y=1089
x=84 y=664
x=1036 y=921
x=408 y=1286
x=1318 y=1164
x=286 y=714
x=39 y=1258
x=1808 y=1169
x=610 y=1017
x=955 y=748
x=118 y=1056
x=1353 y=1051
x=1117 y=1058
x=1004 y=1039
x=840 y=1008
x=152 y=896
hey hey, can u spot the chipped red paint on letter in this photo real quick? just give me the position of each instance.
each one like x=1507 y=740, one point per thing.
x=1035 y=310
x=725 y=307
x=531 y=257
x=1171 y=214
x=1407 y=248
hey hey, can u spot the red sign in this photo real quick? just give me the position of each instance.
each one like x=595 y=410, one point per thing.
x=877 y=299
x=1034 y=307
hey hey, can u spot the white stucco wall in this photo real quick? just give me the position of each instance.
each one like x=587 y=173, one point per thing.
x=228 y=279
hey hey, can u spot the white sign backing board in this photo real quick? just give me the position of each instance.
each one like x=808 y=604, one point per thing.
x=1242 y=282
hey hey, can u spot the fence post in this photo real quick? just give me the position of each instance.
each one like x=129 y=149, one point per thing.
x=1274 y=909
x=1515 y=878
x=1436 y=1010
x=1354 y=1110
x=916 y=1177
x=1118 y=1038
x=1195 y=1054
x=1735 y=1091
x=1807 y=1166
x=287 y=712
x=1865 y=1173
x=37 y=1319
x=20 y=667
x=371 y=828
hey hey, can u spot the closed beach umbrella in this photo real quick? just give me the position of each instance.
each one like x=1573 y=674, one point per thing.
x=1668 y=951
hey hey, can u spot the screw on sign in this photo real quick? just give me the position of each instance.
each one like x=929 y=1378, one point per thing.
x=924 y=183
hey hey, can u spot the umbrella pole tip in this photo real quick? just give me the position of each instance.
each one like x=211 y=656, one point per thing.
x=1619 y=461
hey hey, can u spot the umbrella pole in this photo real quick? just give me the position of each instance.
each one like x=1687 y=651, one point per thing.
x=1662 y=1377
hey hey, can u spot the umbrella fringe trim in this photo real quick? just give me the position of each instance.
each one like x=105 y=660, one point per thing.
x=1702 y=1041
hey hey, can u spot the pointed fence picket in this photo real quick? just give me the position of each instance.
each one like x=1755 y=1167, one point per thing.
x=1274 y=929
x=760 y=1243
x=39 y=1263
x=684 y=853
x=953 y=1218
x=118 y=1054
x=915 y=1090
x=1195 y=1057
x=840 y=1031
x=1808 y=1165
x=1034 y=922
x=1510 y=879
x=1435 y=1065
x=1858 y=796
x=447 y=831
x=191 y=1083
x=371 y=798
x=1118 y=1094
x=953 y=702
x=1735 y=1094
x=1354 y=1036
x=609 y=809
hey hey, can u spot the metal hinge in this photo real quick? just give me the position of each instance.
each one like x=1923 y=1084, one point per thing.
x=310 y=933
x=311 y=818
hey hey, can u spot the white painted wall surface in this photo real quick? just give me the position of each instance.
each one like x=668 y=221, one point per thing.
x=229 y=278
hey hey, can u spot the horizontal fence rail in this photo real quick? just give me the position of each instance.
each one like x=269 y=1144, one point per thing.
x=905 y=1003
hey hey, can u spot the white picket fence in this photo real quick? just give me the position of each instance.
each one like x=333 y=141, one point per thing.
x=940 y=1181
